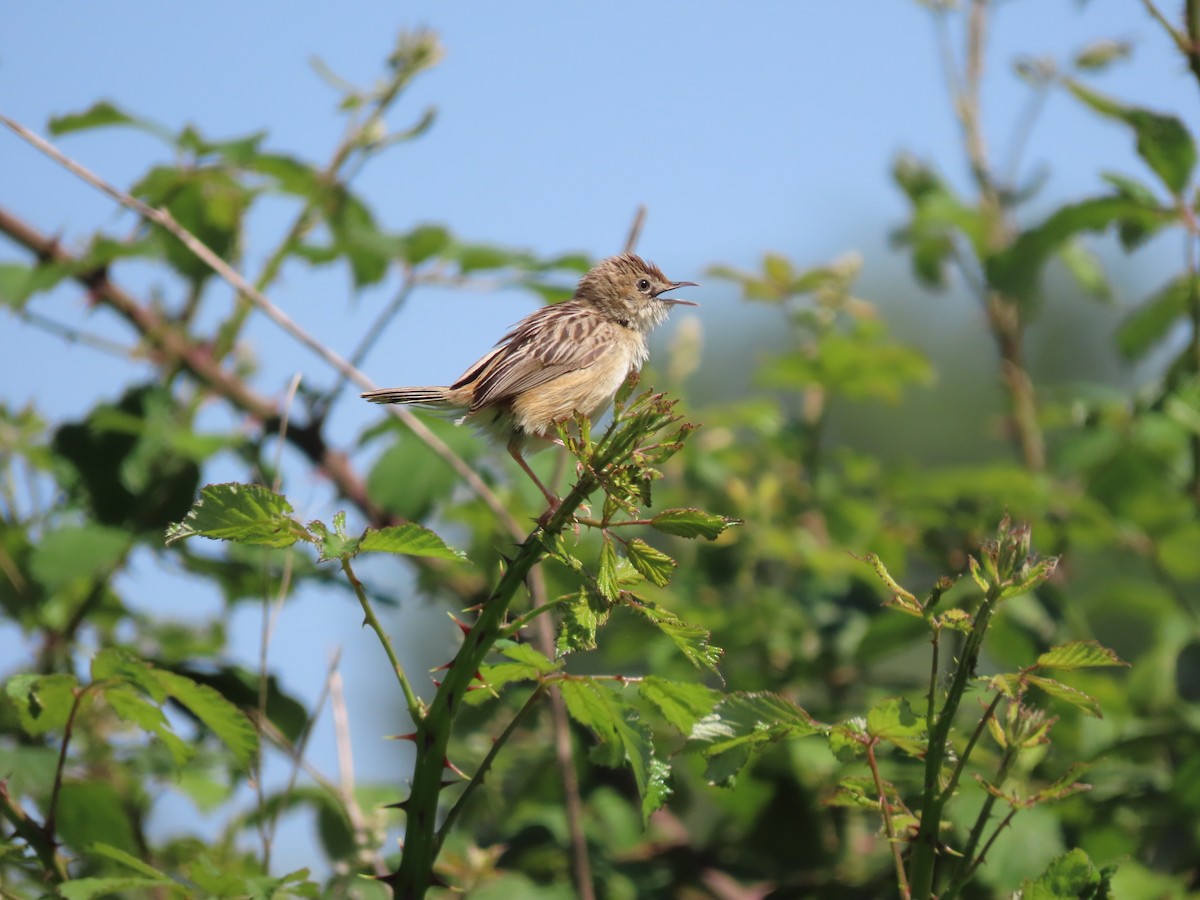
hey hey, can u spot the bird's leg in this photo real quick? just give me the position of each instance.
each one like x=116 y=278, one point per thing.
x=514 y=451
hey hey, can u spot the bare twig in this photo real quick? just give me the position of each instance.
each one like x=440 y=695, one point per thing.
x=635 y=230
x=885 y=807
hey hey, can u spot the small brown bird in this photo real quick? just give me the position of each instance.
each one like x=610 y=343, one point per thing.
x=561 y=360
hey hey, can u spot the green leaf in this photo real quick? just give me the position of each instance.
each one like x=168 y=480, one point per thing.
x=606 y=576
x=87 y=888
x=1085 y=267
x=116 y=854
x=654 y=565
x=1163 y=141
x=691 y=639
x=366 y=247
x=1071 y=695
x=335 y=544
x=1016 y=269
x=692 y=523
x=683 y=704
x=1153 y=320
x=222 y=718
x=893 y=720
x=90 y=811
x=78 y=552
x=616 y=724
x=1079 y=655
x=104 y=115
x=1068 y=877
x=132 y=707
x=526 y=664
x=409 y=539
x=43 y=701
x=244 y=513
x=19 y=282
x=423 y=242
x=580 y=619
x=743 y=723
x=1101 y=54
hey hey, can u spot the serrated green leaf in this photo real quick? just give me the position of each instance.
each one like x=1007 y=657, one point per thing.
x=243 y=513
x=222 y=718
x=526 y=664
x=43 y=701
x=1079 y=655
x=692 y=523
x=682 y=704
x=409 y=539
x=652 y=563
x=616 y=724
x=1163 y=141
x=1068 y=877
x=691 y=639
x=1154 y=318
x=848 y=740
x=739 y=725
x=580 y=619
x=1071 y=695
x=606 y=576
x=857 y=792
x=893 y=720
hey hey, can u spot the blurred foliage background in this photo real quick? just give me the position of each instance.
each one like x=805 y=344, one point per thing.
x=1049 y=380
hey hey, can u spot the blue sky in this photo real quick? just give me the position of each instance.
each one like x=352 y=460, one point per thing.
x=742 y=127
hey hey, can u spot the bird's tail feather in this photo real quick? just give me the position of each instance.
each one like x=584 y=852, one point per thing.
x=419 y=396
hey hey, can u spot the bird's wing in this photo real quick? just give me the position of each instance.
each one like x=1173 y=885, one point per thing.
x=553 y=341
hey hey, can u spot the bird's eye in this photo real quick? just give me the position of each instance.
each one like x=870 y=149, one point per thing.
x=643 y=284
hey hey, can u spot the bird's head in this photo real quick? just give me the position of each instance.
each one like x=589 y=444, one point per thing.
x=629 y=290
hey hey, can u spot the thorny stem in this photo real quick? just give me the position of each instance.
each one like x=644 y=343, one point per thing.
x=933 y=800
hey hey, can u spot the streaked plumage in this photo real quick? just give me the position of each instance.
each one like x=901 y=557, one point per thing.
x=561 y=360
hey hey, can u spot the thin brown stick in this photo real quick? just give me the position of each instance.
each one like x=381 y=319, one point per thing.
x=635 y=230
x=885 y=808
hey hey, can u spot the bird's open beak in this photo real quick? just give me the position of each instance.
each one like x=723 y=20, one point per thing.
x=672 y=300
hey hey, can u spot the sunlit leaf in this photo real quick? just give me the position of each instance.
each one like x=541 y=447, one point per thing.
x=683 y=704
x=691 y=523
x=691 y=639
x=409 y=539
x=651 y=562
x=1071 y=695
x=1068 y=877
x=893 y=720
x=245 y=513
x=1079 y=655
x=43 y=701
x=743 y=723
x=616 y=724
